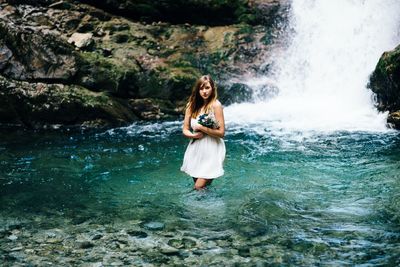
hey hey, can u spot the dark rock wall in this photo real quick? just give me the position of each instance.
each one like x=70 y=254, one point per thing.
x=206 y=12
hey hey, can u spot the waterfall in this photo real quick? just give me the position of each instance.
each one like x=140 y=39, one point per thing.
x=321 y=77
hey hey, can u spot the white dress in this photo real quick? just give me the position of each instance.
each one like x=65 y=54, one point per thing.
x=204 y=157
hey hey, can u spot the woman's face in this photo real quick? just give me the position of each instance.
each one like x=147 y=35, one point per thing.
x=205 y=90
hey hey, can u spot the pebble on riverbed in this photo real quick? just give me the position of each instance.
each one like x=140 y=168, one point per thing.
x=154 y=226
x=138 y=234
x=85 y=244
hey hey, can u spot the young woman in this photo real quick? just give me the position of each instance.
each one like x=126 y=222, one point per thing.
x=205 y=153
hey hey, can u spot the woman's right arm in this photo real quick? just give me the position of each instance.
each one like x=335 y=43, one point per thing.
x=186 y=127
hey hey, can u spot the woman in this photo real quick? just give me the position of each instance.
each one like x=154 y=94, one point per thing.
x=205 y=154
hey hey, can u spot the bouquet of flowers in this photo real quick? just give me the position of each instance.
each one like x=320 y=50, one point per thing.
x=207 y=120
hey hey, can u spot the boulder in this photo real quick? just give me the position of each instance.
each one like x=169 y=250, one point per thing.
x=36 y=105
x=385 y=83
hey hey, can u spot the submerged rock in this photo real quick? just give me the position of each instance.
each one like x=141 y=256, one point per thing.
x=154 y=226
x=182 y=243
x=167 y=250
x=12 y=237
x=85 y=244
x=139 y=234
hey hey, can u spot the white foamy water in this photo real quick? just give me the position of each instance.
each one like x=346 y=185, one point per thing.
x=322 y=76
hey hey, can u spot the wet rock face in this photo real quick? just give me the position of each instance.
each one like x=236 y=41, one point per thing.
x=237 y=93
x=35 y=55
x=149 y=67
x=385 y=83
x=56 y=104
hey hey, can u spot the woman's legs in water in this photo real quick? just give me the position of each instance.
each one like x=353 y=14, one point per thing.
x=201 y=183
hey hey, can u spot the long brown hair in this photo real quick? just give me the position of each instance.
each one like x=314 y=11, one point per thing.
x=196 y=102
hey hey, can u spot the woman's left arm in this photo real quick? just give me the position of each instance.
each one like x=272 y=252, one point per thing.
x=219 y=116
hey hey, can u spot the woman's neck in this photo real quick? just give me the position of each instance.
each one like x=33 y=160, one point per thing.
x=206 y=107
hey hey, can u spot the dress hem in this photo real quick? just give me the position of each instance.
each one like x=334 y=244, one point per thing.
x=202 y=177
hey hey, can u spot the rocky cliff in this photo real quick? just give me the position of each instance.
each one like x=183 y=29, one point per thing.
x=385 y=83
x=85 y=63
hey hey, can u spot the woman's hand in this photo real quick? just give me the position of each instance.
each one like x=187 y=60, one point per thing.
x=198 y=127
x=198 y=135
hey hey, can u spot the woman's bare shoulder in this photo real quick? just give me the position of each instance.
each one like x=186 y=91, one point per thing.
x=217 y=104
x=188 y=110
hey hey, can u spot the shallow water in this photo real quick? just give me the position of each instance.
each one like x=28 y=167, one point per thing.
x=287 y=198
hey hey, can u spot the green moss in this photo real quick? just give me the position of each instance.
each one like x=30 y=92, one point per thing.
x=113 y=26
x=181 y=63
x=105 y=74
x=121 y=38
x=166 y=52
x=160 y=31
x=228 y=37
x=267 y=38
x=245 y=29
x=182 y=80
x=172 y=83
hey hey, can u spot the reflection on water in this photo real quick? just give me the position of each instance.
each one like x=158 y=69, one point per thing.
x=305 y=198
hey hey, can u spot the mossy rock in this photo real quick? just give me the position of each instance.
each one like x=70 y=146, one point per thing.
x=385 y=81
x=236 y=93
x=181 y=82
x=172 y=83
x=38 y=104
x=100 y=73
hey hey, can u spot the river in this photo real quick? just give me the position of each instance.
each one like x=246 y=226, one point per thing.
x=312 y=173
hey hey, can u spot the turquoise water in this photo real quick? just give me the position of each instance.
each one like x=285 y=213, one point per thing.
x=285 y=198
